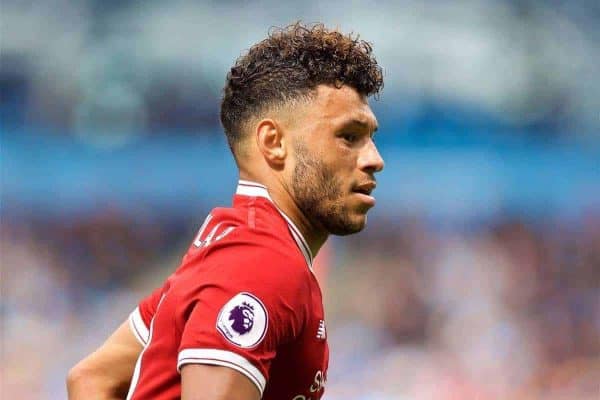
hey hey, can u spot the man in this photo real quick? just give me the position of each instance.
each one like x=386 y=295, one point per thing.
x=242 y=317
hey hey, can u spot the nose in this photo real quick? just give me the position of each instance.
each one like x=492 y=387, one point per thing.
x=370 y=160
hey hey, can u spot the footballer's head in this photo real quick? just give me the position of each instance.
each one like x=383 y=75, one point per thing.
x=295 y=109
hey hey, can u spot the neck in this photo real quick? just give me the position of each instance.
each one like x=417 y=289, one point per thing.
x=315 y=237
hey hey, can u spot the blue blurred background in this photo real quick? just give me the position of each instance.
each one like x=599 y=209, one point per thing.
x=478 y=276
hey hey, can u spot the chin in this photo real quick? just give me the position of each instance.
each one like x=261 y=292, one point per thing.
x=349 y=227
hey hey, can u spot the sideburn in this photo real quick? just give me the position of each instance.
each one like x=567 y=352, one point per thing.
x=317 y=190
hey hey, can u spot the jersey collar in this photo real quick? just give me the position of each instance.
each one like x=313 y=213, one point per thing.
x=253 y=189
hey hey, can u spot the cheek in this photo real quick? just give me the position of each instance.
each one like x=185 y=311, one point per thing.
x=348 y=158
x=341 y=159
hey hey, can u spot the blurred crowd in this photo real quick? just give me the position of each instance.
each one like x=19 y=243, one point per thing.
x=67 y=283
x=503 y=309
x=121 y=69
x=507 y=310
x=486 y=287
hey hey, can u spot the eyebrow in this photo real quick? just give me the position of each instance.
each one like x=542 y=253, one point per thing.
x=361 y=123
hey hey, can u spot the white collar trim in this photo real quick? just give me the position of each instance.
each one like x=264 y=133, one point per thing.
x=254 y=189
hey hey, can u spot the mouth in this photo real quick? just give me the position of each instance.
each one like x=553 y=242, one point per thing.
x=364 y=192
x=365 y=188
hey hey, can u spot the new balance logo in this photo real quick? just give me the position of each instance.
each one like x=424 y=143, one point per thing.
x=321 y=332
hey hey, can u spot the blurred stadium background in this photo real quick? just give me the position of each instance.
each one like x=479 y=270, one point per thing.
x=478 y=276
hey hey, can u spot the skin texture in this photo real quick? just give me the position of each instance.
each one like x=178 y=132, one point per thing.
x=203 y=382
x=311 y=156
x=106 y=373
x=317 y=191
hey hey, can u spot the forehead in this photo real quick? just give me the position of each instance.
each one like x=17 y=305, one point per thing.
x=342 y=105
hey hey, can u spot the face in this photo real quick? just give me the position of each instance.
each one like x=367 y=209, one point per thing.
x=335 y=160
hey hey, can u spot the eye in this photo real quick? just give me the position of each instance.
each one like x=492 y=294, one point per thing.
x=349 y=137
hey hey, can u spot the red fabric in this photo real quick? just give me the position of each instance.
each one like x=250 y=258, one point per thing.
x=245 y=249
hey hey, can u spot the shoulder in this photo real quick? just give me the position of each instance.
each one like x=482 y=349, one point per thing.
x=261 y=253
x=257 y=253
x=256 y=269
x=258 y=238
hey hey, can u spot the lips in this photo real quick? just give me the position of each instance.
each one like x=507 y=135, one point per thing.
x=365 y=188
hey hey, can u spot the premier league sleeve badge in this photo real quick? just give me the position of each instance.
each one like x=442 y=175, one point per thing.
x=243 y=320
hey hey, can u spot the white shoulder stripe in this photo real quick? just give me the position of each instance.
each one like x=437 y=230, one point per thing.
x=138 y=327
x=223 y=358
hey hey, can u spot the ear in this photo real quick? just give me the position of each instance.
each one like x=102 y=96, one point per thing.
x=271 y=141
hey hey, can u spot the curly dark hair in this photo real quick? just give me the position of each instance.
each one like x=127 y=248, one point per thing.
x=289 y=64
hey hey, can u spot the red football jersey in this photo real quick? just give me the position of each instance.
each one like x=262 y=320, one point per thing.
x=244 y=297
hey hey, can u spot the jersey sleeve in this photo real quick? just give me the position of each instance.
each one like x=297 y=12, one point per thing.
x=250 y=306
x=140 y=318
